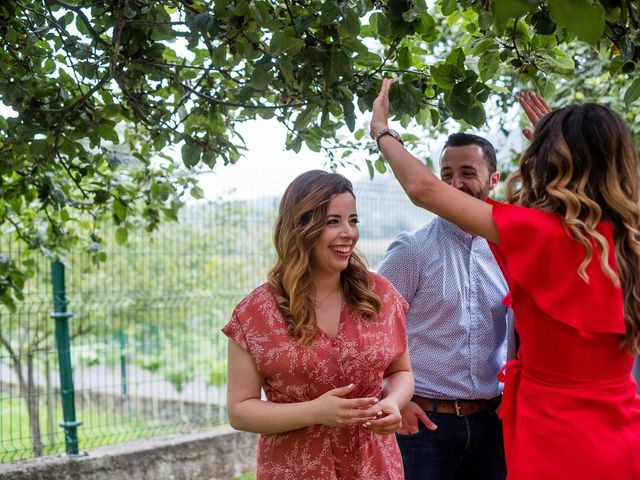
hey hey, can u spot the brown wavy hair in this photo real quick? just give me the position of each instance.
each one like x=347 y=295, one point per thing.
x=583 y=165
x=301 y=217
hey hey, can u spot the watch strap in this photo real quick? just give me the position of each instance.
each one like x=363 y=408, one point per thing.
x=388 y=131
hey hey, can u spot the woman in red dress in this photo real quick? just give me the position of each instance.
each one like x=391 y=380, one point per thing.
x=325 y=340
x=569 y=247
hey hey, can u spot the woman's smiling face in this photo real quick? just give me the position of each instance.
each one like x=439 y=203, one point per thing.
x=339 y=236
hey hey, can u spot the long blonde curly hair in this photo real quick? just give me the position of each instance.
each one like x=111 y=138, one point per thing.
x=582 y=165
x=301 y=218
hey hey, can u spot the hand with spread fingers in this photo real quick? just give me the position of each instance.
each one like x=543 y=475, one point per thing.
x=535 y=107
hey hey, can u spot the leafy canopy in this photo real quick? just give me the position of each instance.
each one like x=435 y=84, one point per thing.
x=101 y=89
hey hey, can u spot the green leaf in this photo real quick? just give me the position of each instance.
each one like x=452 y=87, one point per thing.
x=283 y=43
x=262 y=75
x=405 y=60
x=119 y=209
x=542 y=23
x=475 y=116
x=197 y=193
x=107 y=132
x=581 y=17
x=370 y=169
x=446 y=75
x=448 y=7
x=367 y=59
x=426 y=27
x=352 y=23
x=304 y=118
x=505 y=10
x=485 y=45
x=488 y=65
x=122 y=235
x=338 y=64
x=456 y=57
x=380 y=166
x=632 y=93
x=191 y=153
x=381 y=24
x=349 y=115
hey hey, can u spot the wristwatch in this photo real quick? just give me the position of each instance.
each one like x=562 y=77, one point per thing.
x=388 y=131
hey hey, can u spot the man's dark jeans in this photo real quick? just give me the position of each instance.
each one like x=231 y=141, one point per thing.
x=462 y=448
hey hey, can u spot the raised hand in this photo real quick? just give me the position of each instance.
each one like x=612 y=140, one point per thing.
x=380 y=110
x=333 y=411
x=535 y=107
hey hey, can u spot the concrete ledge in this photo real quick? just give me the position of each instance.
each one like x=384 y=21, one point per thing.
x=216 y=454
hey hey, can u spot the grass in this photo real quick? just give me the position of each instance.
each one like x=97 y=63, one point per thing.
x=246 y=476
x=98 y=428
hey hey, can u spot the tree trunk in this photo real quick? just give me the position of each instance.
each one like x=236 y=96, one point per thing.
x=32 y=407
x=27 y=392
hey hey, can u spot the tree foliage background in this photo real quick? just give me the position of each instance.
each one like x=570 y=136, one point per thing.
x=117 y=102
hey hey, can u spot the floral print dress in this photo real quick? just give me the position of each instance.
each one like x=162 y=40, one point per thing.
x=359 y=354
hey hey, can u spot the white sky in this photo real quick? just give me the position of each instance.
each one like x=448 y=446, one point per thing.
x=266 y=167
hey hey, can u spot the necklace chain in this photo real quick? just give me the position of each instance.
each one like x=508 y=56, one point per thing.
x=317 y=302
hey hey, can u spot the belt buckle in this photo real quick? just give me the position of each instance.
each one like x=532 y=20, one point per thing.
x=457 y=405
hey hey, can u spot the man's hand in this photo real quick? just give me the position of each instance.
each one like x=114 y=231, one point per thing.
x=535 y=107
x=380 y=111
x=412 y=414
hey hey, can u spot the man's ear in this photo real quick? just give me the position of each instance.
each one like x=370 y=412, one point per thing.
x=494 y=179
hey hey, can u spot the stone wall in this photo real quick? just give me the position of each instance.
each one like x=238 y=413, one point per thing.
x=217 y=454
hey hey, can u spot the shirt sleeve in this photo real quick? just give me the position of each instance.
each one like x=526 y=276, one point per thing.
x=234 y=330
x=400 y=266
x=537 y=254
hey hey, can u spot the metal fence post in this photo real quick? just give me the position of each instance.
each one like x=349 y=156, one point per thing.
x=61 y=316
x=122 y=336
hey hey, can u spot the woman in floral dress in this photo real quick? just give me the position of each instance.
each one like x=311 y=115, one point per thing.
x=325 y=340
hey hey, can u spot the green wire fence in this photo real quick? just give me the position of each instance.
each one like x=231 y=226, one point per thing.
x=145 y=347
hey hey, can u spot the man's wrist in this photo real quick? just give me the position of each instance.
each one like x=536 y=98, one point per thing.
x=387 y=132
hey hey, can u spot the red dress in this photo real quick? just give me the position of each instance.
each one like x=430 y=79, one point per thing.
x=570 y=408
x=360 y=353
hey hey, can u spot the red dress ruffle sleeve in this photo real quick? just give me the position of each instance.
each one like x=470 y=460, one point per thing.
x=533 y=244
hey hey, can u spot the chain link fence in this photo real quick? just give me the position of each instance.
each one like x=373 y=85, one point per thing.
x=147 y=353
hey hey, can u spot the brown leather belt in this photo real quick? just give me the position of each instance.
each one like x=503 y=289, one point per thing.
x=461 y=408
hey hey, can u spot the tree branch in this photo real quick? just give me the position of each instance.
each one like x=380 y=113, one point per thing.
x=632 y=14
x=17 y=366
x=85 y=20
x=210 y=99
x=80 y=100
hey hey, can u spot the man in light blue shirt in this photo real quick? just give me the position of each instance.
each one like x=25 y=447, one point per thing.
x=458 y=328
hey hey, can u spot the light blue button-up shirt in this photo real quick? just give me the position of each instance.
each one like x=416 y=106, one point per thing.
x=456 y=323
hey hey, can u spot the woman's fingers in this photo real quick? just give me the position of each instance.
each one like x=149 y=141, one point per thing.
x=386 y=424
x=528 y=134
x=528 y=107
x=540 y=104
x=341 y=391
x=535 y=105
x=362 y=404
